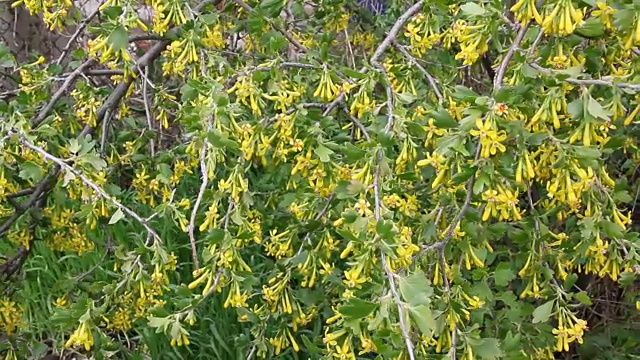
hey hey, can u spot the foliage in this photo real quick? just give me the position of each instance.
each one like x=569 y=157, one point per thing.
x=281 y=180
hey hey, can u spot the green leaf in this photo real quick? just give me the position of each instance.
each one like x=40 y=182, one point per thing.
x=542 y=313
x=570 y=281
x=384 y=229
x=472 y=8
x=117 y=216
x=422 y=316
x=30 y=171
x=6 y=57
x=68 y=177
x=272 y=7
x=355 y=308
x=627 y=278
x=597 y=111
x=158 y=322
x=74 y=147
x=615 y=142
x=352 y=73
x=590 y=28
x=611 y=229
x=464 y=175
x=274 y=40
x=416 y=289
x=94 y=160
x=623 y=19
x=119 y=38
x=221 y=141
x=488 y=349
x=443 y=120
x=622 y=196
x=353 y=153
x=587 y=153
x=323 y=153
x=504 y=274
x=529 y=72
x=463 y=93
x=583 y=297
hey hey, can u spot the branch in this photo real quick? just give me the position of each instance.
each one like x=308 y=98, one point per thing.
x=58 y=94
x=497 y=83
x=587 y=82
x=292 y=110
x=203 y=187
x=147 y=109
x=357 y=123
x=430 y=79
x=385 y=264
x=391 y=37
x=318 y=216
x=285 y=64
x=286 y=34
x=63 y=165
x=79 y=30
x=393 y=33
x=37 y=191
x=463 y=209
x=121 y=89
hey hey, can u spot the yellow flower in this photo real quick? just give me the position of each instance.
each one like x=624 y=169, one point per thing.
x=10 y=315
x=81 y=336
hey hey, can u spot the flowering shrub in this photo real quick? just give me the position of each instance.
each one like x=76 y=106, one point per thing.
x=454 y=178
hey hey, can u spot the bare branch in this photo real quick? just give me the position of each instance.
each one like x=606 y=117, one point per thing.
x=358 y=124
x=463 y=209
x=58 y=94
x=385 y=263
x=587 y=82
x=497 y=83
x=203 y=187
x=63 y=165
x=393 y=33
x=284 y=32
x=42 y=187
x=147 y=109
x=79 y=30
x=533 y=46
x=412 y=60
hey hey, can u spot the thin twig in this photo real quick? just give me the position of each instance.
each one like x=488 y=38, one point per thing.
x=58 y=94
x=441 y=247
x=447 y=289
x=463 y=209
x=334 y=103
x=587 y=82
x=290 y=111
x=147 y=110
x=203 y=187
x=63 y=165
x=533 y=46
x=497 y=83
x=284 y=64
x=284 y=32
x=43 y=186
x=318 y=216
x=393 y=33
x=80 y=29
x=358 y=124
x=389 y=39
x=430 y=79
x=385 y=263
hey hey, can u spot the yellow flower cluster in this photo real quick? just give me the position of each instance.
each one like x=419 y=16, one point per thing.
x=422 y=35
x=10 y=315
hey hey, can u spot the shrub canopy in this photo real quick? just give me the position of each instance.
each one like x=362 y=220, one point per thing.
x=284 y=179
